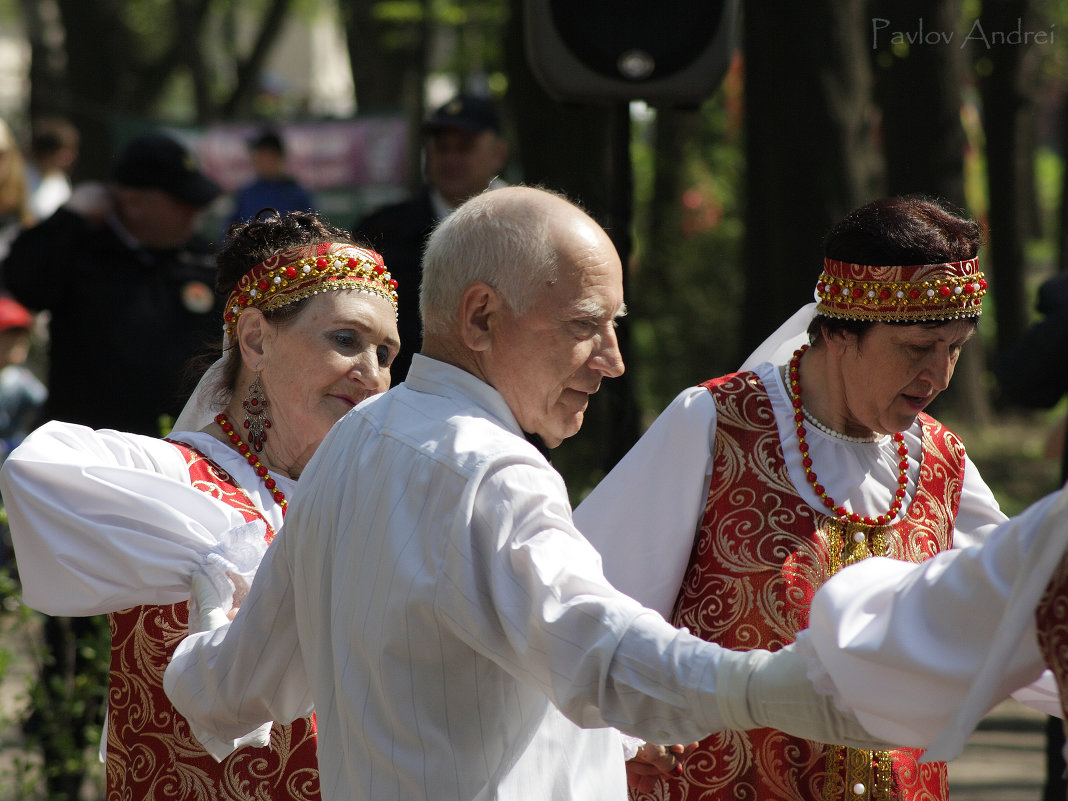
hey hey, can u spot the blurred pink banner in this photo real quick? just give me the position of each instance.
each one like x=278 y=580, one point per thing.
x=322 y=155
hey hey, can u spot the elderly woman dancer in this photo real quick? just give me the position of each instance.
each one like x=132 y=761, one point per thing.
x=752 y=489
x=107 y=522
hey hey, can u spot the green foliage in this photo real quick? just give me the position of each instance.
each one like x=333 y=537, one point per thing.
x=399 y=11
x=21 y=777
x=687 y=279
x=1049 y=177
x=62 y=700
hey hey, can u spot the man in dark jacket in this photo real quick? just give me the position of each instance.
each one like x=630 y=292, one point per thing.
x=129 y=289
x=464 y=154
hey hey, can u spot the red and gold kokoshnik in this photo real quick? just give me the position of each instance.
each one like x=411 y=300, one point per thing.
x=302 y=272
x=947 y=291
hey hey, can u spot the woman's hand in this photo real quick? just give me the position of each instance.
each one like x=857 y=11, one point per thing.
x=654 y=762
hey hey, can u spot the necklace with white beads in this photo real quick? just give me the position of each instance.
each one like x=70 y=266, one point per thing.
x=830 y=432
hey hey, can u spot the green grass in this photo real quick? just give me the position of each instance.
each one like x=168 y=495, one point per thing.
x=1014 y=455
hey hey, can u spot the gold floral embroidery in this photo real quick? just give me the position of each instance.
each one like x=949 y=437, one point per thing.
x=151 y=752
x=759 y=557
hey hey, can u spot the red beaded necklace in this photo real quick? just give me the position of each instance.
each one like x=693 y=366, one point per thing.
x=253 y=459
x=806 y=460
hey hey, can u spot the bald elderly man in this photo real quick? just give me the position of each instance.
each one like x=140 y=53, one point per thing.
x=429 y=592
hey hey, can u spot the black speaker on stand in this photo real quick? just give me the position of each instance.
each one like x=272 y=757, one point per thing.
x=672 y=52
x=609 y=53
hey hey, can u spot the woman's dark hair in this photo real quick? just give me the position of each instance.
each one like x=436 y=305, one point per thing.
x=911 y=229
x=249 y=243
x=269 y=233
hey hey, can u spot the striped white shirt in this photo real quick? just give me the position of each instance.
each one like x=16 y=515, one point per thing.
x=430 y=593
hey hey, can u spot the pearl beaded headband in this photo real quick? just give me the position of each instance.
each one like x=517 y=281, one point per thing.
x=305 y=271
x=918 y=293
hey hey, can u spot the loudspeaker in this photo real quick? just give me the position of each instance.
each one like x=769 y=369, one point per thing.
x=672 y=52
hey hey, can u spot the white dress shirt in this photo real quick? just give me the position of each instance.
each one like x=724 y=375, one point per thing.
x=643 y=516
x=431 y=595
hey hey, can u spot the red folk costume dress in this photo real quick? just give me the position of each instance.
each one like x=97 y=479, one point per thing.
x=1051 y=621
x=104 y=521
x=151 y=752
x=761 y=553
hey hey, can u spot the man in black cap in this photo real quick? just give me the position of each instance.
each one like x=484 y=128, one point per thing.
x=129 y=288
x=464 y=152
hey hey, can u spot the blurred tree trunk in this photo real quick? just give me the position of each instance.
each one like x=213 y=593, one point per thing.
x=108 y=67
x=97 y=44
x=389 y=66
x=589 y=161
x=48 y=80
x=923 y=140
x=1062 y=228
x=1007 y=87
x=809 y=147
x=248 y=68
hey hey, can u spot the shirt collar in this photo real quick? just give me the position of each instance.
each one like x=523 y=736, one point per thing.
x=440 y=378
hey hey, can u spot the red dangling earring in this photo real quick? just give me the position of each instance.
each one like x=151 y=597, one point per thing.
x=256 y=421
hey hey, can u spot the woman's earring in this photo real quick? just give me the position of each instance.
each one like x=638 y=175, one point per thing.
x=256 y=421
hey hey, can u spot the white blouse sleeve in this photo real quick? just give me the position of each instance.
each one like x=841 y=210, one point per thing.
x=103 y=520
x=229 y=681
x=943 y=641
x=979 y=513
x=643 y=516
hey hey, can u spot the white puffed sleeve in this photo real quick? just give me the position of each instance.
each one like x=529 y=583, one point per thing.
x=103 y=520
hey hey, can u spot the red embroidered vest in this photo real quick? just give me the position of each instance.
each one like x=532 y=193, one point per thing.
x=761 y=553
x=151 y=753
x=1051 y=619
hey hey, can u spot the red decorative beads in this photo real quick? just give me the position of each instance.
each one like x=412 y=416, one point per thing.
x=253 y=460
x=806 y=460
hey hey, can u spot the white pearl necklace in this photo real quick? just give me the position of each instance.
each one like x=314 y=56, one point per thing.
x=830 y=432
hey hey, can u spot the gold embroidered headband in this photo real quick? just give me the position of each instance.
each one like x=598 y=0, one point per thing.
x=302 y=272
x=918 y=293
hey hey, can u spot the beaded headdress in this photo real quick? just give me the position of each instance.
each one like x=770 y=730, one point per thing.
x=918 y=293
x=305 y=271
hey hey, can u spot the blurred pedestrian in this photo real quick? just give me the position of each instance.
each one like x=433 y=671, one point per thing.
x=128 y=286
x=21 y=392
x=464 y=153
x=54 y=146
x=15 y=211
x=273 y=186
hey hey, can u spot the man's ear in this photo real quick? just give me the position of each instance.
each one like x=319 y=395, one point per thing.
x=481 y=307
x=251 y=335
